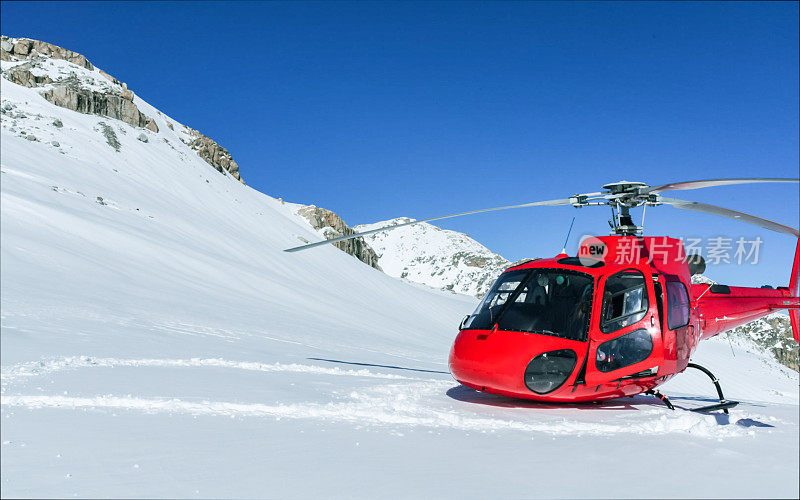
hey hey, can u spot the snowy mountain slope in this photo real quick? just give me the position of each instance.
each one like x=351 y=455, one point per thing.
x=424 y=253
x=159 y=343
x=771 y=334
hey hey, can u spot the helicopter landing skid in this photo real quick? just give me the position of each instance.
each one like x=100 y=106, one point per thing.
x=661 y=397
x=723 y=404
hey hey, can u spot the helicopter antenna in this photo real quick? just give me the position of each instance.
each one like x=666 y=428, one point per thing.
x=728 y=334
x=564 y=250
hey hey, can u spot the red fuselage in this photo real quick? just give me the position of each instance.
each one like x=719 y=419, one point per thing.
x=621 y=318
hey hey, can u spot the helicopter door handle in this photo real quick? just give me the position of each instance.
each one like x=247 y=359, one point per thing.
x=652 y=320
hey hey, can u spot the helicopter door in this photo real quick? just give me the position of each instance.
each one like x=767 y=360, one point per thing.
x=625 y=335
x=678 y=319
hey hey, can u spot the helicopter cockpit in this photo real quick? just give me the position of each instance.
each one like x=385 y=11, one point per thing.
x=559 y=320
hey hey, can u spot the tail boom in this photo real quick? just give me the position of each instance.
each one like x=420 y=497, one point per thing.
x=722 y=308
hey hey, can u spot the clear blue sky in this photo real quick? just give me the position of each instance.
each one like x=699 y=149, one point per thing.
x=378 y=110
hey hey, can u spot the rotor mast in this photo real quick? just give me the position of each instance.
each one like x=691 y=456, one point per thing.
x=624 y=225
x=623 y=197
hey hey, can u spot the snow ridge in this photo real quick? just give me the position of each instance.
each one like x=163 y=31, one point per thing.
x=52 y=365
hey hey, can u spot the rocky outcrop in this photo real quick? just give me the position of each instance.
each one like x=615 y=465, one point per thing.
x=67 y=92
x=21 y=75
x=25 y=48
x=101 y=104
x=332 y=226
x=772 y=334
x=214 y=154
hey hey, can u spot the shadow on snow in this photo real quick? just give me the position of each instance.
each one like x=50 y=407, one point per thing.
x=467 y=395
x=378 y=366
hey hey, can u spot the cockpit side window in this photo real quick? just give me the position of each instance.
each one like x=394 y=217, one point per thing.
x=678 y=305
x=624 y=300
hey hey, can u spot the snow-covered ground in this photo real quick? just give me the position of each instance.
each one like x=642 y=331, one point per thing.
x=161 y=344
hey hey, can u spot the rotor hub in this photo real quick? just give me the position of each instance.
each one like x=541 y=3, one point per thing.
x=625 y=187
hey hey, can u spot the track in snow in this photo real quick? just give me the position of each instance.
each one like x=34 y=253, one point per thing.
x=389 y=400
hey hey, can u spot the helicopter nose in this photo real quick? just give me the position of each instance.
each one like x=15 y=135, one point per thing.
x=514 y=363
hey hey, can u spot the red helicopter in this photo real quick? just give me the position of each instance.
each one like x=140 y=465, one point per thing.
x=619 y=319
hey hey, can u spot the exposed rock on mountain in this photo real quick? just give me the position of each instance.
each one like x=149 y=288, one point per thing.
x=332 y=226
x=115 y=101
x=24 y=48
x=424 y=253
x=772 y=334
x=214 y=154
x=97 y=103
x=67 y=79
x=21 y=75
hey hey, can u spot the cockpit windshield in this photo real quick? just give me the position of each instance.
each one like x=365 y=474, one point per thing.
x=547 y=301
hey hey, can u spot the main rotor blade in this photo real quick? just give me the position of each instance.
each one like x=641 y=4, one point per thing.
x=731 y=214
x=548 y=203
x=712 y=183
